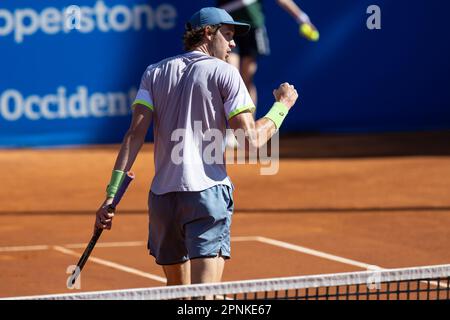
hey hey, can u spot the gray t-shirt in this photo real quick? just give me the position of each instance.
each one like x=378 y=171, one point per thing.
x=192 y=96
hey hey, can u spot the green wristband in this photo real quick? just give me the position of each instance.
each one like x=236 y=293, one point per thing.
x=115 y=182
x=277 y=113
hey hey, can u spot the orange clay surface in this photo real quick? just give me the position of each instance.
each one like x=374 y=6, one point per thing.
x=382 y=202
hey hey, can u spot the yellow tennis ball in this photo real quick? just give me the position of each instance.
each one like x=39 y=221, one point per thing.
x=305 y=29
x=308 y=32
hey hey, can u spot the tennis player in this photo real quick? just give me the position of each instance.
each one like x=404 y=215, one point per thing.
x=191 y=201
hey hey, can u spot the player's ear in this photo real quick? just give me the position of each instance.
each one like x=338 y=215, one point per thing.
x=208 y=33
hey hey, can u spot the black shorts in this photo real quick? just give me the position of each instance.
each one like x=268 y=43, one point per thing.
x=255 y=43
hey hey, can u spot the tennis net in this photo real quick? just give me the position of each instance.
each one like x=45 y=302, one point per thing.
x=419 y=283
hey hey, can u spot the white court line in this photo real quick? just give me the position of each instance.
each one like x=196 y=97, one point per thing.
x=243 y=239
x=138 y=243
x=107 y=244
x=317 y=253
x=24 y=248
x=112 y=265
x=99 y=245
x=265 y=240
x=324 y=255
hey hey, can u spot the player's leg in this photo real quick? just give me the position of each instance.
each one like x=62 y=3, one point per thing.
x=166 y=239
x=248 y=70
x=207 y=230
x=220 y=268
x=178 y=274
x=205 y=270
x=231 y=141
x=248 y=53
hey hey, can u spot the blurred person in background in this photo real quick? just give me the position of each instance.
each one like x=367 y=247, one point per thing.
x=256 y=42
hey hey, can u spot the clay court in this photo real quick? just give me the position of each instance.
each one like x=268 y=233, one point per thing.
x=338 y=203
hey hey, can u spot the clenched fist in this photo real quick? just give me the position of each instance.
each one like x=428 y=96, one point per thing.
x=286 y=94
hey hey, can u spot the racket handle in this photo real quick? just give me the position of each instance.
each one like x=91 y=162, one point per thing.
x=123 y=187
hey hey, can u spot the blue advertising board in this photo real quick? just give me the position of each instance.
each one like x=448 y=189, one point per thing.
x=68 y=77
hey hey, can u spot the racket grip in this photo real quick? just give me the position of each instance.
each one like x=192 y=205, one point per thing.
x=123 y=187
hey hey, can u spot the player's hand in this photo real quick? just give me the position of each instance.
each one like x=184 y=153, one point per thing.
x=103 y=218
x=309 y=31
x=286 y=94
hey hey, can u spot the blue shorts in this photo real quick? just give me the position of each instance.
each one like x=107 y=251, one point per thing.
x=189 y=225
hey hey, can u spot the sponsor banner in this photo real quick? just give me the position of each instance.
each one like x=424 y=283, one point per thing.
x=69 y=69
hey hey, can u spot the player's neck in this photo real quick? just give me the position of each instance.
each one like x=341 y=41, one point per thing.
x=204 y=49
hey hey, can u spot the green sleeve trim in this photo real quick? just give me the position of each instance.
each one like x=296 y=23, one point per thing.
x=277 y=113
x=249 y=107
x=145 y=103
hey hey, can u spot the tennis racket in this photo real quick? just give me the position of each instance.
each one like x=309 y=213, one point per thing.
x=98 y=232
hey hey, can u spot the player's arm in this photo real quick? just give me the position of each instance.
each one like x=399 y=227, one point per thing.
x=294 y=10
x=307 y=29
x=134 y=138
x=129 y=149
x=257 y=133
